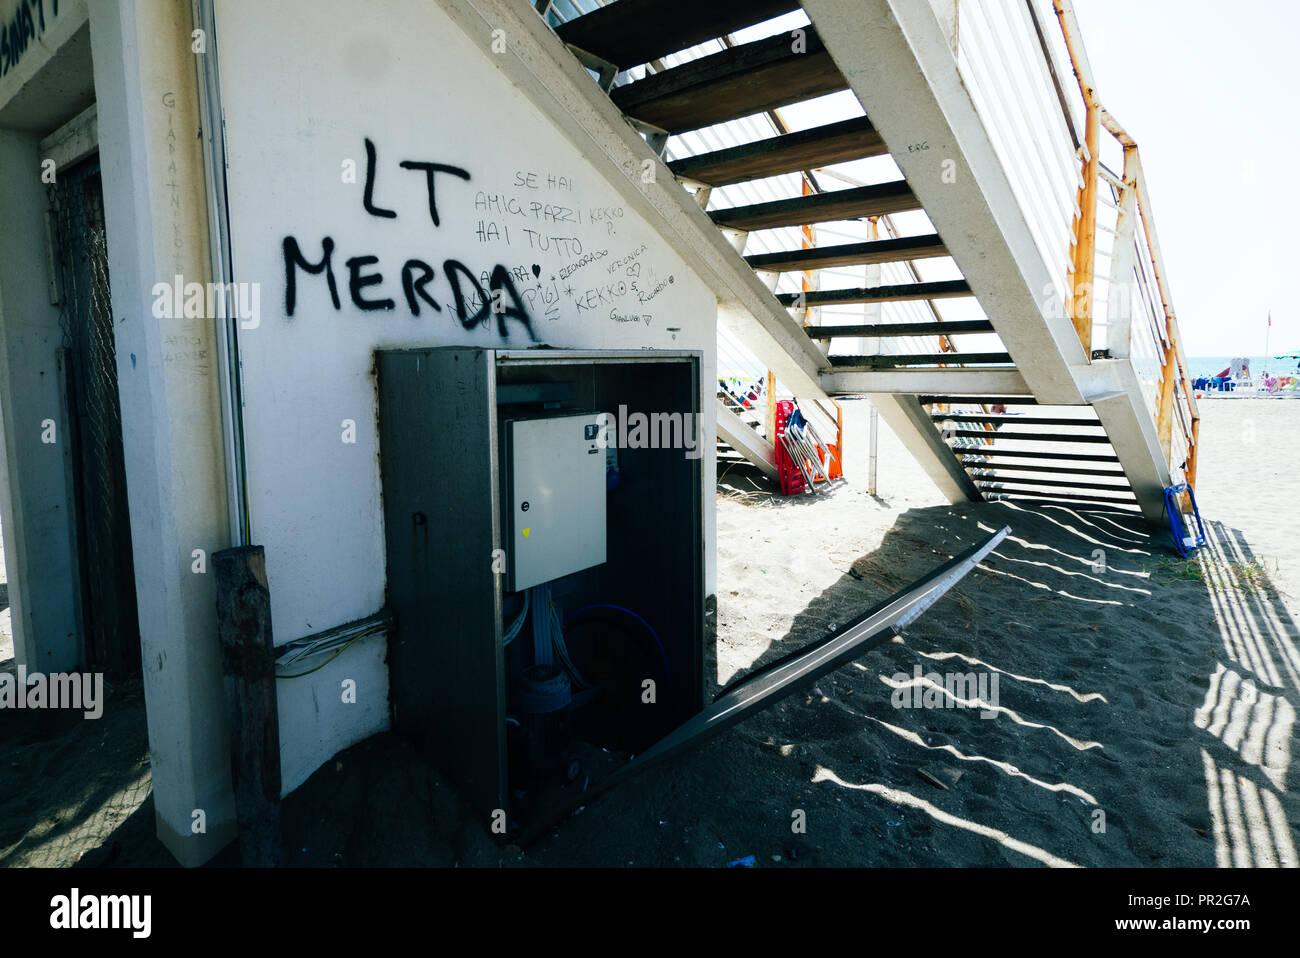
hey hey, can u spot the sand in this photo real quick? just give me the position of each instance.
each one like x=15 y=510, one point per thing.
x=1145 y=707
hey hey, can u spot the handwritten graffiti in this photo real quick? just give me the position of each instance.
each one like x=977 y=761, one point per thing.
x=626 y=260
x=22 y=29
x=645 y=295
x=475 y=297
x=602 y=297
x=502 y=204
x=530 y=180
x=591 y=257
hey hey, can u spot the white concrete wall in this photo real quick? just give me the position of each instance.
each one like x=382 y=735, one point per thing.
x=35 y=486
x=145 y=83
x=37 y=94
x=304 y=84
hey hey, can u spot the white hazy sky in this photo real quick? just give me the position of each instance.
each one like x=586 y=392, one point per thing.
x=1210 y=92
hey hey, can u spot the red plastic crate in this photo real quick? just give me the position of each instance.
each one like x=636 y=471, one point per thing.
x=792 y=480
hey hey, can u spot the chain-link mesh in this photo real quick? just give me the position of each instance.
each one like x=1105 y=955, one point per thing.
x=109 y=611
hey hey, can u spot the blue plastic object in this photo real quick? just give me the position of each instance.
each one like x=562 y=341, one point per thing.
x=663 y=654
x=1184 y=541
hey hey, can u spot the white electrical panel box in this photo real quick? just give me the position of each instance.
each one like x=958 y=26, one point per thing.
x=554 y=497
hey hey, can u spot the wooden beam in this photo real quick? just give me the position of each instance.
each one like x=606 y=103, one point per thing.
x=918 y=380
x=851 y=254
x=1028 y=495
x=898 y=293
x=988 y=452
x=896 y=197
x=979 y=400
x=637 y=31
x=900 y=329
x=985 y=482
x=248 y=664
x=971 y=463
x=74 y=141
x=808 y=149
x=918 y=359
x=1027 y=436
x=740 y=81
x=902 y=71
x=1017 y=420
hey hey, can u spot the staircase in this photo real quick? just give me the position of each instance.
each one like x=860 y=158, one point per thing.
x=1027 y=451
x=1016 y=403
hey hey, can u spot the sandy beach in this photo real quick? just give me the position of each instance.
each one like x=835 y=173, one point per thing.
x=1127 y=708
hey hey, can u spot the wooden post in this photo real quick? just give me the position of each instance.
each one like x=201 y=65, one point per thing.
x=248 y=664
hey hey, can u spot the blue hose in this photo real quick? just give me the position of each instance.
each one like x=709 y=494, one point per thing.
x=668 y=678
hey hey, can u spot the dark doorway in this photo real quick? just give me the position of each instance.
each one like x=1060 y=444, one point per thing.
x=109 y=619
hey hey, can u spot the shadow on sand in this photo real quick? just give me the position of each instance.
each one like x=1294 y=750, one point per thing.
x=1138 y=710
x=1144 y=714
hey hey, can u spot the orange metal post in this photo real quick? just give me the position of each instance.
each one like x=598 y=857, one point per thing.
x=1165 y=414
x=1190 y=471
x=1085 y=230
x=1085 y=221
x=836 y=466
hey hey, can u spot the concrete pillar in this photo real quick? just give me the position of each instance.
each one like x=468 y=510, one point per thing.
x=145 y=82
x=35 y=483
x=948 y=13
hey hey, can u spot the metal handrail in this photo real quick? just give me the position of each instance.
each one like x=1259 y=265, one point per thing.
x=1094 y=227
x=1173 y=404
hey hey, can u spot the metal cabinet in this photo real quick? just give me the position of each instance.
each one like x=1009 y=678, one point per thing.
x=612 y=541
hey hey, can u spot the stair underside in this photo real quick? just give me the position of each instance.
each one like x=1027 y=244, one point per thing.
x=1052 y=454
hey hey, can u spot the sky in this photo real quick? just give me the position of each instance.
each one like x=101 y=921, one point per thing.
x=1211 y=93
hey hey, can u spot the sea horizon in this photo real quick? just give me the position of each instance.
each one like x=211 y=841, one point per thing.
x=1212 y=365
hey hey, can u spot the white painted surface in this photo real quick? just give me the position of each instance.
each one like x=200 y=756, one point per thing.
x=899 y=63
x=297 y=111
x=564 y=94
x=35 y=491
x=152 y=169
x=555 y=503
